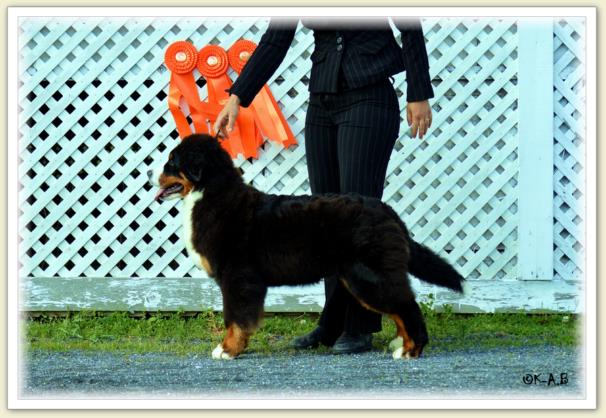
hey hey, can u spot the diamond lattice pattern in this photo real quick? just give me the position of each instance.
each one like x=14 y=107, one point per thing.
x=94 y=119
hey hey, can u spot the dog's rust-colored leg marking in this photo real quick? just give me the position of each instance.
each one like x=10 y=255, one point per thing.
x=206 y=265
x=409 y=345
x=360 y=301
x=235 y=340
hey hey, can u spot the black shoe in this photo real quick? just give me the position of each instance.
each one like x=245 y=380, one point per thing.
x=312 y=340
x=349 y=343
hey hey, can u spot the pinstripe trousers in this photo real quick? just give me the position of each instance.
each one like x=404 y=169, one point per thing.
x=349 y=137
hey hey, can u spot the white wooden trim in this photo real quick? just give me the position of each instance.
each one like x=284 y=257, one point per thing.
x=195 y=294
x=535 y=109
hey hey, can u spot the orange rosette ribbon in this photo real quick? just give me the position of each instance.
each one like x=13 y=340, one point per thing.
x=244 y=138
x=267 y=114
x=181 y=58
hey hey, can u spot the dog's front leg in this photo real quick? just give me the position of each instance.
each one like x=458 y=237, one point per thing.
x=242 y=309
x=235 y=341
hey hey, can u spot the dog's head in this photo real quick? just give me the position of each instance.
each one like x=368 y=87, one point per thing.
x=197 y=162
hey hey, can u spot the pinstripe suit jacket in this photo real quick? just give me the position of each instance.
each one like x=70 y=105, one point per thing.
x=344 y=57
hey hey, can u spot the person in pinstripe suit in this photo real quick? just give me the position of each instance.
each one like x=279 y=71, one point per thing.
x=351 y=125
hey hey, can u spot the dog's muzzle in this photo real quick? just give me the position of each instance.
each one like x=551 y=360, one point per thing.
x=153 y=176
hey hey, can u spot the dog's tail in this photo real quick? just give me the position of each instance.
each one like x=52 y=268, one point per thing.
x=431 y=268
x=425 y=264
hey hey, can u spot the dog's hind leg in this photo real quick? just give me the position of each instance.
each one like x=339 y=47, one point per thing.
x=411 y=331
x=390 y=294
x=242 y=310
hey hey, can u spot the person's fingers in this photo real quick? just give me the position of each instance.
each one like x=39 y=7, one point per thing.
x=422 y=128
x=408 y=116
x=231 y=121
x=415 y=128
x=219 y=122
x=222 y=132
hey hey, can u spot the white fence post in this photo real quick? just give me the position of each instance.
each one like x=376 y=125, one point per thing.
x=535 y=107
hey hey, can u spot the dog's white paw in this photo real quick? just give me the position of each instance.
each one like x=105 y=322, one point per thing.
x=396 y=343
x=220 y=354
x=399 y=353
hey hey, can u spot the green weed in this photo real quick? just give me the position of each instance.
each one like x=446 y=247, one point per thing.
x=181 y=333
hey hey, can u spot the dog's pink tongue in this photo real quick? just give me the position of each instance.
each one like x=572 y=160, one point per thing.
x=159 y=194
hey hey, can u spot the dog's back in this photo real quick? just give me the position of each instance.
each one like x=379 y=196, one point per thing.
x=306 y=238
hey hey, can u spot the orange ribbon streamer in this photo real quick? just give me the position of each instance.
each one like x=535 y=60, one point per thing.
x=181 y=58
x=244 y=138
x=267 y=113
x=262 y=118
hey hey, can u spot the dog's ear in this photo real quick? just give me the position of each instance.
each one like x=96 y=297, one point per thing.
x=194 y=174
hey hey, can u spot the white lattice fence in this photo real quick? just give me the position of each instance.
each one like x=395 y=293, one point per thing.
x=569 y=149
x=94 y=118
x=457 y=189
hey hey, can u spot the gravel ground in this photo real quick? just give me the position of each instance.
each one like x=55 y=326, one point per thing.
x=499 y=372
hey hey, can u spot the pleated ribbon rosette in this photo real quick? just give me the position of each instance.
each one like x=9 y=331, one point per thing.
x=244 y=138
x=181 y=58
x=262 y=118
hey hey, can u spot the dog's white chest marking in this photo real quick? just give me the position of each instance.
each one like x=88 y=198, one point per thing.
x=188 y=229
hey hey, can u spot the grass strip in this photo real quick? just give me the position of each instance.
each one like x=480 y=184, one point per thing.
x=183 y=334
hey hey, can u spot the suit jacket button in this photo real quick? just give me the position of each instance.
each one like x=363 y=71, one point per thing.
x=339 y=47
x=339 y=40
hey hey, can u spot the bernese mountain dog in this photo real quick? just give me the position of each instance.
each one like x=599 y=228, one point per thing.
x=248 y=240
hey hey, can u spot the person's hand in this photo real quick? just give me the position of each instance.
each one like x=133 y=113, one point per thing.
x=227 y=117
x=418 y=115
